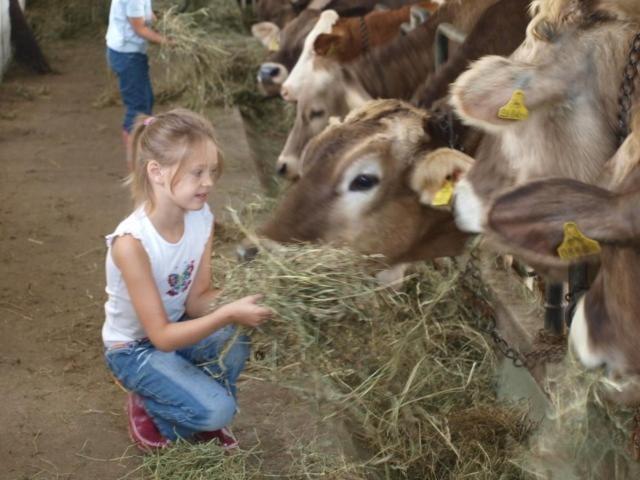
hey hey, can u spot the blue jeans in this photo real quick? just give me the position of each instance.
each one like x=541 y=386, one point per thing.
x=132 y=70
x=186 y=391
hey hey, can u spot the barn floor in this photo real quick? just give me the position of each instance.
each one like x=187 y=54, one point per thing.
x=61 y=164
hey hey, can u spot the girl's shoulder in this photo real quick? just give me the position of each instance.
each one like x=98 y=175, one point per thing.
x=132 y=225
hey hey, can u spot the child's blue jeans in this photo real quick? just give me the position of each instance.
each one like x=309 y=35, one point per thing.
x=134 y=82
x=186 y=391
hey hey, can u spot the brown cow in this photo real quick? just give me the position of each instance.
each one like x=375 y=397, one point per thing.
x=395 y=70
x=568 y=73
x=286 y=42
x=350 y=37
x=361 y=185
x=605 y=329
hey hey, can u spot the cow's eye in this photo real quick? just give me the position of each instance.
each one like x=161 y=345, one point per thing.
x=363 y=182
x=316 y=114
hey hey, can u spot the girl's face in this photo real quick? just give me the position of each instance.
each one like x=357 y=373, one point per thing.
x=194 y=179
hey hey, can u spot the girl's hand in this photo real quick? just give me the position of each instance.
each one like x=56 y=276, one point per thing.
x=247 y=312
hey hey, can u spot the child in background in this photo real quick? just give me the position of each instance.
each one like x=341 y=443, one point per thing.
x=127 y=38
x=159 y=272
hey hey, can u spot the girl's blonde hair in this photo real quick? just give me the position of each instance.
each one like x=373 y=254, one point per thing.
x=168 y=138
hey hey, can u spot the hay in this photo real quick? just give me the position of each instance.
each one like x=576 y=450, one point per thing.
x=405 y=369
x=211 y=60
x=198 y=461
x=64 y=19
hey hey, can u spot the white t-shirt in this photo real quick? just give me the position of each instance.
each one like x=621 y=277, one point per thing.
x=174 y=265
x=121 y=36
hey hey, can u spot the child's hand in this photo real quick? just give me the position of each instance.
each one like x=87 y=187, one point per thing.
x=247 y=312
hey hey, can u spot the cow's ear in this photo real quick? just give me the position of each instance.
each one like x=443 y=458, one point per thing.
x=268 y=33
x=557 y=221
x=434 y=176
x=327 y=44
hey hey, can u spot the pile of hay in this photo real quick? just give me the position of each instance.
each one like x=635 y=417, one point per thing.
x=212 y=60
x=404 y=369
x=63 y=19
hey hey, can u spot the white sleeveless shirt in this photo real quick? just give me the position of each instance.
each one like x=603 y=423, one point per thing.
x=174 y=265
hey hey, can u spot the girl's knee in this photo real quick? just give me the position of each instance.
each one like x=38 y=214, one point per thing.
x=217 y=414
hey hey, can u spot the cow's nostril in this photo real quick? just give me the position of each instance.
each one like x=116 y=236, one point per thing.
x=268 y=72
x=282 y=170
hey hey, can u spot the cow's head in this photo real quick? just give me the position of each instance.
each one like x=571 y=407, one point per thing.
x=548 y=110
x=304 y=70
x=361 y=183
x=314 y=109
x=285 y=46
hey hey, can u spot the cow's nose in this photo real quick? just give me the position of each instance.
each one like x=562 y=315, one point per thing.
x=282 y=169
x=268 y=72
x=246 y=251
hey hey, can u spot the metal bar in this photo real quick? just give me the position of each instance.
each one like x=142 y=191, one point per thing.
x=553 y=313
x=444 y=33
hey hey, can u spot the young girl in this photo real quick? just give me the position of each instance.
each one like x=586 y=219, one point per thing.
x=158 y=271
x=127 y=38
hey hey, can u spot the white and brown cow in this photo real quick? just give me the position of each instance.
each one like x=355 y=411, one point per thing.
x=395 y=70
x=605 y=329
x=362 y=185
x=564 y=81
x=286 y=42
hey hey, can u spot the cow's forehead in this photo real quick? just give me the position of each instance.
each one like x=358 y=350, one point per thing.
x=395 y=129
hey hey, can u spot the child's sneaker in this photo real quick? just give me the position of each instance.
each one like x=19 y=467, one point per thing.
x=224 y=436
x=142 y=430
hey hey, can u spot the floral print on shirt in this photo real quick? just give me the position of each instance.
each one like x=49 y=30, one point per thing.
x=180 y=282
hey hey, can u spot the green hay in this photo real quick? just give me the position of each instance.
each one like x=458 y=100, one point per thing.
x=199 y=461
x=405 y=369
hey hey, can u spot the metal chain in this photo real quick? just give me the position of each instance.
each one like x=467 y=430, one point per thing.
x=627 y=88
x=555 y=348
x=364 y=34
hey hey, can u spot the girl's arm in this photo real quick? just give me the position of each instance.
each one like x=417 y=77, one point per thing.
x=133 y=262
x=140 y=27
x=201 y=295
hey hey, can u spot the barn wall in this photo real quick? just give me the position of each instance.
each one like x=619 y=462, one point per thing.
x=5 y=35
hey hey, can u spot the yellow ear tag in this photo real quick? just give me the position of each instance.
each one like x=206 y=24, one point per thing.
x=443 y=196
x=515 y=109
x=576 y=244
x=274 y=45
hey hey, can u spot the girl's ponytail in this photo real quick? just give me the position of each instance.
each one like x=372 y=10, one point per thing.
x=138 y=179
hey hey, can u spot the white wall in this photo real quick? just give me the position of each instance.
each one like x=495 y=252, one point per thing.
x=5 y=35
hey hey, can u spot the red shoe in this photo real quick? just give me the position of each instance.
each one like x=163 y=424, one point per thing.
x=142 y=430
x=224 y=436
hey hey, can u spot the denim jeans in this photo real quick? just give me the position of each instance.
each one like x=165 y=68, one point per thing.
x=132 y=70
x=186 y=391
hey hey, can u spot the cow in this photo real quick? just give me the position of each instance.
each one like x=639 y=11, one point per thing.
x=551 y=109
x=362 y=183
x=277 y=12
x=286 y=42
x=531 y=220
x=395 y=70
x=285 y=46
